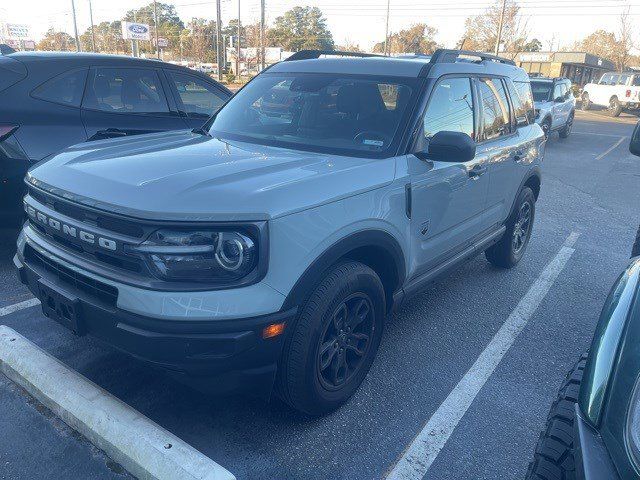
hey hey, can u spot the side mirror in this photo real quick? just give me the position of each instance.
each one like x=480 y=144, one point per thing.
x=449 y=147
x=634 y=146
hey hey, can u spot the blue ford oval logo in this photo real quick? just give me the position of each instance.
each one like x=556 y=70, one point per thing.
x=138 y=28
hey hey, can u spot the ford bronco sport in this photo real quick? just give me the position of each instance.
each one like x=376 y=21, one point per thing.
x=263 y=251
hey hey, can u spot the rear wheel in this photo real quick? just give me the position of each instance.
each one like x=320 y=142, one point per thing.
x=554 y=454
x=566 y=130
x=511 y=247
x=586 y=102
x=615 y=107
x=334 y=341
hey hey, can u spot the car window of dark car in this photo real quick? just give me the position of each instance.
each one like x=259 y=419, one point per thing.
x=126 y=90
x=495 y=108
x=450 y=108
x=65 y=88
x=200 y=98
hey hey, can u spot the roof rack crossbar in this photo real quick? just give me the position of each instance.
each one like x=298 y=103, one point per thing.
x=444 y=55
x=311 y=54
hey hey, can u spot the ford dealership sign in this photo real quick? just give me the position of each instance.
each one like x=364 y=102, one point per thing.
x=135 y=31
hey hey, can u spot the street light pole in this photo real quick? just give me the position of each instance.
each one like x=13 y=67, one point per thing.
x=75 y=25
x=500 y=26
x=219 y=45
x=386 y=34
x=238 y=45
x=262 y=35
x=155 y=21
x=93 y=33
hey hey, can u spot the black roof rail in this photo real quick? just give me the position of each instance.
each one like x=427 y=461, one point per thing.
x=311 y=54
x=443 y=55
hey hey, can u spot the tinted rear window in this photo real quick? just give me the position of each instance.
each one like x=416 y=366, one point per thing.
x=11 y=72
x=65 y=88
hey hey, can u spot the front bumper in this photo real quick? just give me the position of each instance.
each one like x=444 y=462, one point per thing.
x=591 y=457
x=220 y=356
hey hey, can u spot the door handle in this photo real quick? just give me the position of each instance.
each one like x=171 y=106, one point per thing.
x=111 y=132
x=477 y=170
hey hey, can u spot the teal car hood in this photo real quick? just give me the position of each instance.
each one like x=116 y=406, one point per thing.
x=187 y=176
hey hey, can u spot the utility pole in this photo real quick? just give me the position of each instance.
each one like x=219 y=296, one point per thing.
x=155 y=21
x=219 y=45
x=93 y=33
x=238 y=45
x=262 y=35
x=386 y=34
x=500 y=25
x=75 y=25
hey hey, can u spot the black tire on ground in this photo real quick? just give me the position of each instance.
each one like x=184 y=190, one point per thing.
x=586 y=103
x=566 y=130
x=546 y=127
x=615 y=107
x=554 y=454
x=509 y=250
x=328 y=322
x=635 y=251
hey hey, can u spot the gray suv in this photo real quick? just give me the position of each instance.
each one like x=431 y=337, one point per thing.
x=263 y=251
x=555 y=105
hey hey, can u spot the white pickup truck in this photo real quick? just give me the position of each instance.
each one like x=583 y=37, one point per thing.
x=615 y=91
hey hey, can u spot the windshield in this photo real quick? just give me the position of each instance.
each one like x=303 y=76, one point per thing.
x=339 y=114
x=541 y=91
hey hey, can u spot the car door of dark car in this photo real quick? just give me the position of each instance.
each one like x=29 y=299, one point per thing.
x=127 y=101
x=197 y=97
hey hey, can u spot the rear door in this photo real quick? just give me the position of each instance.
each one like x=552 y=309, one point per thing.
x=127 y=101
x=197 y=98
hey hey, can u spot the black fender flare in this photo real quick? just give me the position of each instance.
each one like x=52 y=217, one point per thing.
x=364 y=238
x=535 y=172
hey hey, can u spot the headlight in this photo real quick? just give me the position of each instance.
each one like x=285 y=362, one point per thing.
x=216 y=256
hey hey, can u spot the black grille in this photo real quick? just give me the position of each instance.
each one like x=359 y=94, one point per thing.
x=97 y=290
x=90 y=217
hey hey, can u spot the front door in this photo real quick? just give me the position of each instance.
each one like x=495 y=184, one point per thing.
x=127 y=101
x=448 y=198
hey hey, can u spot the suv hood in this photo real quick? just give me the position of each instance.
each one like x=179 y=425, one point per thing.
x=187 y=176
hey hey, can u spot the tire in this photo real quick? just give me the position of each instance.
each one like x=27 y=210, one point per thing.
x=566 y=130
x=509 y=251
x=615 y=107
x=302 y=381
x=554 y=454
x=546 y=128
x=586 y=102
x=635 y=251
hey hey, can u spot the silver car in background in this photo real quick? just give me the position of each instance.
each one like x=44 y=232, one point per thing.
x=555 y=105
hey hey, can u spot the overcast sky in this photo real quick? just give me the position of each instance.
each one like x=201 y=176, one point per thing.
x=359 y=21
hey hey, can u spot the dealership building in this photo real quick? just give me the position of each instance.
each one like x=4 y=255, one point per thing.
x=579 y=67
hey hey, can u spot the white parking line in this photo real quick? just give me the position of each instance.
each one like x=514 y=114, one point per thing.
x=421 y=453
x=18 y=306
x=142 y=447
x=613 y=147
x=598 y=134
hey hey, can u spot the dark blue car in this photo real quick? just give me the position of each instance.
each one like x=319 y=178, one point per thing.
x=51 y=100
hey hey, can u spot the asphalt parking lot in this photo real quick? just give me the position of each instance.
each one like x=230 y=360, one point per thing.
x=589 y=198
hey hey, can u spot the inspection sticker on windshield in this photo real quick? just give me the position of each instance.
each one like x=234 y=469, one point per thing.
x=374 y=143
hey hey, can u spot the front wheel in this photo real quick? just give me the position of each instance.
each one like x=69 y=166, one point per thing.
x=511 y=247
x=334 y=341
x=615 y=107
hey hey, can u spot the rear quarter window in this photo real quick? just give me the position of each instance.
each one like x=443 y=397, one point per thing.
x=11 y=72
x=65 y=89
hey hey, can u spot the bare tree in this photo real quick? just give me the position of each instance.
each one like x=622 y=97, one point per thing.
x=481 y=31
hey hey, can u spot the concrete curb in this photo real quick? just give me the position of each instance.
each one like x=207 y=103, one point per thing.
x=142 y=447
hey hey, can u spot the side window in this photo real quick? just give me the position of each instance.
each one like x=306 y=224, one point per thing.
x=606 y=79
x=126 y=90
x=636 y=81
x=526 y=96
x=519 y=107
x=614 y=79
x=558 y=91
x=495 y=108
x=450 y=108
x=569 y=93
x=623 y=79
x=199 y=98
x=65 y=88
